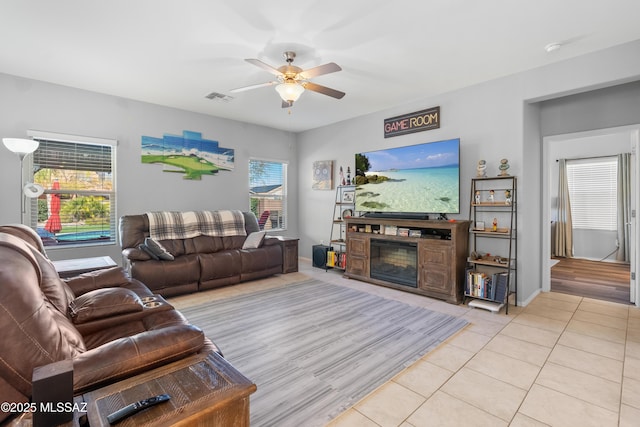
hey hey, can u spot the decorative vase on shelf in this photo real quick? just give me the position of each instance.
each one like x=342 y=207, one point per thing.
x=481 y=169
x=504 y=165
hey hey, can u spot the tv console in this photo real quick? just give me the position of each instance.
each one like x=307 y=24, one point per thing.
x=426 y=257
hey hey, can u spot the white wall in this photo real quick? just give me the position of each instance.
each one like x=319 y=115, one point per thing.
x=27 y=104
x=490 y=121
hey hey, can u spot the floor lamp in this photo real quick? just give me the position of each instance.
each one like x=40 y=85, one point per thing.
x=21 y=147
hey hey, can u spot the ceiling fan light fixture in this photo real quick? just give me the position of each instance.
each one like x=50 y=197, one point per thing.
x=289 y=91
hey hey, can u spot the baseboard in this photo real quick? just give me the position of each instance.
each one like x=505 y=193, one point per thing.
x=531 y=298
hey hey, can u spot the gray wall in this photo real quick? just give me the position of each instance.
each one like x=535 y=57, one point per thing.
x=28 y=104
x=598 y=109
x=495 y=119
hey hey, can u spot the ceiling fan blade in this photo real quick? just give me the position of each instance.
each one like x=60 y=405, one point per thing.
x=264 y=66
x=323 y=90
x=259 y=85
x=331 y=67
x=287 y=104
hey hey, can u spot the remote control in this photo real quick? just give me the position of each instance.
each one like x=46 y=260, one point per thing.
x=136 y=407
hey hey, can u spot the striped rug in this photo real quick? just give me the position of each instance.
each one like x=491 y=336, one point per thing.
x=314 y=349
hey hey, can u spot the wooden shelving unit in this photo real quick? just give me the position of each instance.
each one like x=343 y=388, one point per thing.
x=492 y=267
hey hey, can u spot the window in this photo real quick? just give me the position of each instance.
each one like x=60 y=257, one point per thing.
x=268 y=193
x=593 y=192
x=78 y=205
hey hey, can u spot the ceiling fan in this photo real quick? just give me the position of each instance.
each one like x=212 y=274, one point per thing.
x=292 y=81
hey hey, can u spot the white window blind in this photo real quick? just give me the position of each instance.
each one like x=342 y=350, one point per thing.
x=268 y=193
x=79 y=203
x=593 y=192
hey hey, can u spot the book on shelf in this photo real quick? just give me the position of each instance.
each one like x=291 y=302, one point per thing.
x=488 y=286
x=337 y=259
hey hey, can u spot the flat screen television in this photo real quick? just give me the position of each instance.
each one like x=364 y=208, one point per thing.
x=409 y=181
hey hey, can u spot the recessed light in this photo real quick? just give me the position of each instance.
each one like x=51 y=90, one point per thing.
x=552 y=46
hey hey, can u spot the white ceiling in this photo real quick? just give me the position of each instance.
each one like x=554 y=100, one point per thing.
x=174 y=53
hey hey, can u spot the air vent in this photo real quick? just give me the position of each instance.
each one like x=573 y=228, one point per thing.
x=215 y=96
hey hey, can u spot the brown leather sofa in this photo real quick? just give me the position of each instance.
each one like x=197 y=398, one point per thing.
x=100 y=320
x=202 y=262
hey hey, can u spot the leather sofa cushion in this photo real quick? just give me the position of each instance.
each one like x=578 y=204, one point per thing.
x=267 y=257
x=129 y=355
x=102 y=303
x=233 y=242
x=54 y=288
x=174 y=247
x=220 y=265
x=204 y=245
x=158 y=275
x=34 y=331
x=113 y=277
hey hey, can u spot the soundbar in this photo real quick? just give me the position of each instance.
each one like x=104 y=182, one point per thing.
x=396 y=215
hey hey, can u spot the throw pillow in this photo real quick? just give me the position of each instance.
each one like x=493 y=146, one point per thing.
x=147 y=251
x=102 y=303
x=254 y=240
x=157 y=249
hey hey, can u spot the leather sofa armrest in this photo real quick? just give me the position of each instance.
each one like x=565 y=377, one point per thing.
x=109 y=278
x=135 y=254
x=270 y=241
x=132 y=355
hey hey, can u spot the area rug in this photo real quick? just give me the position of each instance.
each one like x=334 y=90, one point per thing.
x=314 y=348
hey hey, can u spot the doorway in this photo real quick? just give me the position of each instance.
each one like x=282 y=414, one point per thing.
x=592 y=278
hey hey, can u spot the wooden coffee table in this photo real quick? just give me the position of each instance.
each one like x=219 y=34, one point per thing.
x=205 y=390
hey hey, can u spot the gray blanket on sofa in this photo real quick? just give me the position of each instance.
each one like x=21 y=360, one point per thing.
x=186 y=225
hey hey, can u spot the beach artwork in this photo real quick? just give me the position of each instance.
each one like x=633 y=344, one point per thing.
x=416 y=178
x=187 y=154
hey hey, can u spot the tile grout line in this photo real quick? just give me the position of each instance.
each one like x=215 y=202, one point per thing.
x=541 y=368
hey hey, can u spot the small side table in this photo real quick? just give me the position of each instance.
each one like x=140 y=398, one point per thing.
x=72 y=267
x=205 y=390
x=289 y=254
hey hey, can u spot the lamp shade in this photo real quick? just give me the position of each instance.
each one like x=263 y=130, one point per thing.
x=289 y=91
x=21 y=146
x=33 y=190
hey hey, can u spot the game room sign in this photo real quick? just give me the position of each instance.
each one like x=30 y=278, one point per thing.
x=412 y=122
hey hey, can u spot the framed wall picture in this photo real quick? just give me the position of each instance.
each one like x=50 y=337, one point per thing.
x=348 y=196
x=322 y=175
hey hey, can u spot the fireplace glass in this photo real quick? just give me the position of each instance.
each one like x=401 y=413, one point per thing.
x=394 y=261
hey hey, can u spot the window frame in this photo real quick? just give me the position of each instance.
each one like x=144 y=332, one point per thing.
x=283 y=218
x=32 y=207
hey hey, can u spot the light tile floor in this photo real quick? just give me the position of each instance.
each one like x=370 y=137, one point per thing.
x=561 y=361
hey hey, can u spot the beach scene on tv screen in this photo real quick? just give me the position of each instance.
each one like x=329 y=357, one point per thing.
x=415 y=178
